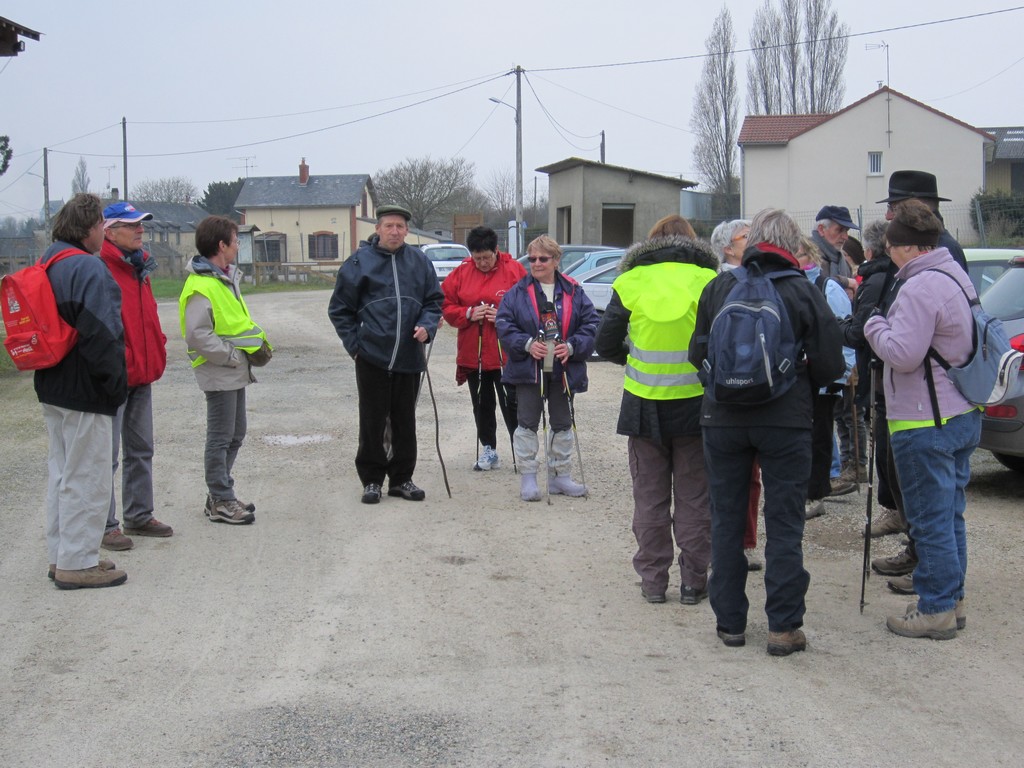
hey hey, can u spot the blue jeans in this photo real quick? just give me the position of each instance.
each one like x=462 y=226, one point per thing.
x=934 y=466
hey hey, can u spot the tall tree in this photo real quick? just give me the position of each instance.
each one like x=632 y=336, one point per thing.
x=431 y=190
x=500 y=189
x=715 y=109
x=220 y=197
x=799 y=54
x=5 y=154
x=80 y=181
x=171 y=189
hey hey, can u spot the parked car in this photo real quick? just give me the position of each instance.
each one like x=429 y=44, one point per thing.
x=571 y=253
x=445 y=257
x=597 y=284
x=594 y=260
x=1002 y=426
x=985 y=265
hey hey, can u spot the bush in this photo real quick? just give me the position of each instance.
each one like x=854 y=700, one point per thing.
x=1002 y=215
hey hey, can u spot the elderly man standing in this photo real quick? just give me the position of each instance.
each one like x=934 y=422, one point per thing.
x=832 y=227
x=920 y=185
x=386 y=304
x=147 y=357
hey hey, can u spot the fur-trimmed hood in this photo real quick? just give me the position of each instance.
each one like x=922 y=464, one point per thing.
x=673 y=248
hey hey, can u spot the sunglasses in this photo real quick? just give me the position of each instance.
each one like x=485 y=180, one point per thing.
x=541 y=259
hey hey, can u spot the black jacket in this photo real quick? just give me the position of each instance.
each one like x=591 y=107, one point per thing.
x=814 y=325
x=93 y=377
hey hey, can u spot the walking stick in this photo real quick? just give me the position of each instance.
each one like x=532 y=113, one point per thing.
x=544 y=421
x=437 y=421
x=572 y=419
x=503 y=404
x=479 y=384
x=866 y=566
x=855 y=436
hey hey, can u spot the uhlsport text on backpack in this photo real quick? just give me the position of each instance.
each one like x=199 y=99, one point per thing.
x=992 y=373
x=37 y=336
x=752 y=353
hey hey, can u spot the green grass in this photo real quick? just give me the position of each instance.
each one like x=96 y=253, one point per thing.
x=170 y=287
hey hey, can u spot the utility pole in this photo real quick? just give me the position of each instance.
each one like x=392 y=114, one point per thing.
x=124 y=155
x=46 y=187
x=519 y=162
x=602 y=147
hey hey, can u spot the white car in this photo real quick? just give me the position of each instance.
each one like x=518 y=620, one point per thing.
x=597 y=284
x=445 y=257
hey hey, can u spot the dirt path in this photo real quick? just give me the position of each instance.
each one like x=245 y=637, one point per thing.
x=473 y=631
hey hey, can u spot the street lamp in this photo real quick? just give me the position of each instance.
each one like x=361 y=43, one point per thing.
x=46 y=198
x=518 y=108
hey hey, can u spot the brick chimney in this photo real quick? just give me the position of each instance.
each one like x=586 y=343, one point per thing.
x=303 y=172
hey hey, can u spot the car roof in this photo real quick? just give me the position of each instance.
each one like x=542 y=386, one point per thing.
x=992 y=254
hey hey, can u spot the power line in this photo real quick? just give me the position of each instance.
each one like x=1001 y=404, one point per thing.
x=557 y=126
x=486 y=119
x=551 y=117
x=978 y=85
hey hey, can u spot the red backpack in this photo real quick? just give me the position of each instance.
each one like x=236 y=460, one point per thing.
x=37 y=336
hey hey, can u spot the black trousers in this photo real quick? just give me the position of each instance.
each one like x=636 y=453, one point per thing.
x=486 y=390
x=820 y=484
x=385 y=399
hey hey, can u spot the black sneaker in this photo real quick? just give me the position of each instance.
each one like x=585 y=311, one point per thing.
x=732 y=640
x=371 y=494
x=407 y=491
x=691 y=595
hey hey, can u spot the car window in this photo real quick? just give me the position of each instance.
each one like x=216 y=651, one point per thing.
x=447 y=254
x=605 y=278
x=1005 y=298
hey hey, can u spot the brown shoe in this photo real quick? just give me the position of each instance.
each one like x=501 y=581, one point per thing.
x=785 y=643
x=840 y=487
x=897 y=565
x=151 y=527
x=887 y=522
x=116 y=541
x=960 y=611
x=104 y=565
x=902 y=585
x=89 y=578
x=937 y=626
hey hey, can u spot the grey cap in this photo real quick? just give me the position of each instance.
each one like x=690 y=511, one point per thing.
x=392 y=210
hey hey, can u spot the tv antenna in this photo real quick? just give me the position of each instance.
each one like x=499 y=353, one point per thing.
x=245 y=160
x=108 y=169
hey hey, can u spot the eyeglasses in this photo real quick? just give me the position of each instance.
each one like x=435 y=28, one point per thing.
x=136 y=225
x=541 y=259
x=740 y=237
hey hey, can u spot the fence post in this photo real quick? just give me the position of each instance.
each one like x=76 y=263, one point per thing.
x=981 y=223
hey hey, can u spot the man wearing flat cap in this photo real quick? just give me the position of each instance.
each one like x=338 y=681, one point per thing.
x=146 y=355
x=832 y=227
x=920 y=185
x=386 y=305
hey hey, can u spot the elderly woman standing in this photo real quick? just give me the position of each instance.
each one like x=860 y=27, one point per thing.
x=546 y=325
x=933 y=430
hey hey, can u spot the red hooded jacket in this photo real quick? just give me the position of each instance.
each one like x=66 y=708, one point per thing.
x=467 y=287
x=144 y=340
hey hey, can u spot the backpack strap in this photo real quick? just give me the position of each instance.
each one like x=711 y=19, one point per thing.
x=59 y=255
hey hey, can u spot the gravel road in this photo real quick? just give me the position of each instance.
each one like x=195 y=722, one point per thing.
x=472 y=631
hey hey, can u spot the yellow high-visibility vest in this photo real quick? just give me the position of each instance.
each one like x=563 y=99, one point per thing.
x=231 y=320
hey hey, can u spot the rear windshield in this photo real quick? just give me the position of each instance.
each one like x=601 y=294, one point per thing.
x=1005 y=299
x=447 y=254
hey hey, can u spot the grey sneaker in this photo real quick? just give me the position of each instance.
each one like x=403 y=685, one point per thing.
x=408 y=491
x=902 y=585
x=887 y=522
x=371 y=494
x=937 y=626
x=897 y=565
x=230 y=511
x=813 y=509
x=488 y=460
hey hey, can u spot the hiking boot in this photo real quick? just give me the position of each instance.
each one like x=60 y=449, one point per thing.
x=785 y=643
x=887 y=522
x=104 y=565
x=937 y=626
x=854 y=473
x=230 y=511
x=209 y=505
x=730 y=639
x=902 y=585
x=407 y=491
x=488 y=460
x=116 y=541
x=151 y=527
x=371 y=494
x=691 y=595
x=564 y=485
x=89 y=578
x=753 y=561
x=960 y=611
x=897 y=565
x=528 y=490
x=813 y=509
x=841 y=487
x=652 y=596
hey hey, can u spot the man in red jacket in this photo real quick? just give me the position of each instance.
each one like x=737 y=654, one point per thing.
x=146 y=356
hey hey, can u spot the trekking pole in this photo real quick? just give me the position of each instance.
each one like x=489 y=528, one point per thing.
x=866 y=567
x=572 y=420
x=437 y=421
x=479 y=384
x=503 y=403
x=855 y=436
x=544 y=421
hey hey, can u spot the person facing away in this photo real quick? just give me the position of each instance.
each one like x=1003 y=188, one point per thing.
x=472 y=293
x=386 y=305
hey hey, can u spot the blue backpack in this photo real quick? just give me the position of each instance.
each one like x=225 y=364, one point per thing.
x=752 y=352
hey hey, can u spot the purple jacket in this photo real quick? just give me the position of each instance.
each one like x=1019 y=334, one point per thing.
x=929 y=311
x=519 y=323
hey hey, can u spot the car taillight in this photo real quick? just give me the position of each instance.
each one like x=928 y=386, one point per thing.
x=1001 y=411
x=1017 y=342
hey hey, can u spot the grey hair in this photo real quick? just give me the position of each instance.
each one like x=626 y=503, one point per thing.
x=775 y=226
x=873 y=237
x=824 y=222
x=722 y=237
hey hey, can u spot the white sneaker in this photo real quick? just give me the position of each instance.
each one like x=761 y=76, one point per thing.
x=488 y=460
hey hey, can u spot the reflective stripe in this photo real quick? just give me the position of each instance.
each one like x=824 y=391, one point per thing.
x=670 y=357
x=664 y=379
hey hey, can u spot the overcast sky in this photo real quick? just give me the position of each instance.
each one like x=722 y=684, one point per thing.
x=210 y=87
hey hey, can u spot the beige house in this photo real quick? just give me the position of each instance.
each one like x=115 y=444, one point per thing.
x=600 y=204
x=1005 y=171
x=802 y=162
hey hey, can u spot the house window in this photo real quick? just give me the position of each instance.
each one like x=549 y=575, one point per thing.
x=323 y=246
x=271 y=247
x=874 y=163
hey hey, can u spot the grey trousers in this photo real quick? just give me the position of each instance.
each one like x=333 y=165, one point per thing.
x=524 y=440
x=225 y=431
x=78 y=488
x=133 y=427
x=661 y=474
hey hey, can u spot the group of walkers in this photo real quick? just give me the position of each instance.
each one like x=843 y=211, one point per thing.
x=699 y=453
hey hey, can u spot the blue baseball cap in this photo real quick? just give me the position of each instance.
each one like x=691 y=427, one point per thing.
x=125 y=212
x=840 y=214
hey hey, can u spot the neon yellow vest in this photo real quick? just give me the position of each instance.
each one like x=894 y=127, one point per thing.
x=231 y=320
x=662 y=300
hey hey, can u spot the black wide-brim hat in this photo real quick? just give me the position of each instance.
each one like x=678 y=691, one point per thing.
x=904 y=185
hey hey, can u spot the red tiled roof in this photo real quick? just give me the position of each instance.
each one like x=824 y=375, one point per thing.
x=776 y=129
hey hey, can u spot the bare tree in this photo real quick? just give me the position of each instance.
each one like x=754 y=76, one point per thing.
x=171 y=189
x=5 y=154
x=432 y=190
x=799 y=54
x=80 y=181
x=715 y=106
x=500 y=189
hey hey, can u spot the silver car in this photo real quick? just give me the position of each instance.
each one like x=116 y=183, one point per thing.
x=445 y=257
x=1002 y=426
